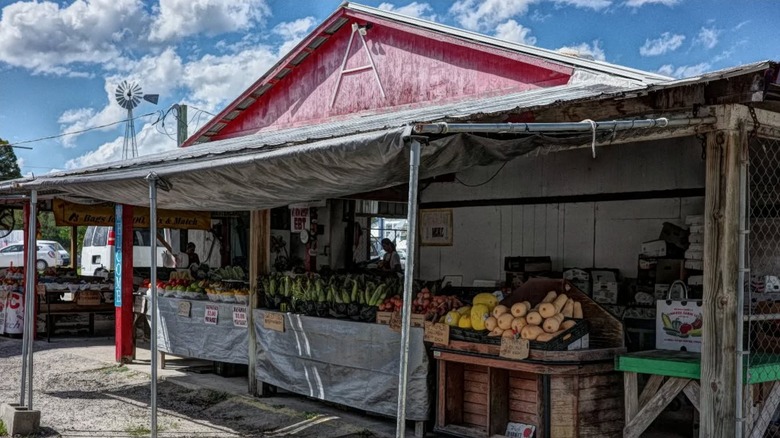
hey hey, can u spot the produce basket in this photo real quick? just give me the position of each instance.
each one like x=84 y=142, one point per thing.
x=559 y=343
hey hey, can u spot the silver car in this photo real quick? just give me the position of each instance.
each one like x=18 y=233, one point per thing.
x=13 y=255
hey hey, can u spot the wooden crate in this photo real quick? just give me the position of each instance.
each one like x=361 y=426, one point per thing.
x=479 y=394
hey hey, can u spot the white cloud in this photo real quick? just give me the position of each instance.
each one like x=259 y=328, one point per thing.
x=668 y=42
x=640 y=3
x=212 y=80
x=148 y=139
x=539 y=17
x=596 y=5
x=585 y=50
x=45 y=38
x=511 y=30
x=180 y=18
x=293 y=32
x=476 y=15
x=741 y=25
x=684 y=71
x=414 y=9
x=708 y=37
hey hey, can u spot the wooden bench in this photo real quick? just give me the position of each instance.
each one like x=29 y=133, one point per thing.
x=674 y=372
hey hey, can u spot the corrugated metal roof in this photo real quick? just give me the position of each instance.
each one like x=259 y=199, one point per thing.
x=363 y=123
x=725 y=73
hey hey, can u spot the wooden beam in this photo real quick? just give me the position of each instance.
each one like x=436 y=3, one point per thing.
x=692 y=391
x=762 y=420
x=654 y=406
x=719 y=337
x=651 y=387
x=631 y=390
x=259 y=263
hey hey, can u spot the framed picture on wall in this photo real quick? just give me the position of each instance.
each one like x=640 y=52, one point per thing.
x=436 y=227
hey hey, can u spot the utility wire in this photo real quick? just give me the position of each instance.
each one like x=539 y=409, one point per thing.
x=81 y=131
x=483 y=183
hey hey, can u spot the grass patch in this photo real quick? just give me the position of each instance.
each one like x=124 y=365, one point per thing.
x=310 y=415
x=3 y=429
x=114 y=369
x=141 y=431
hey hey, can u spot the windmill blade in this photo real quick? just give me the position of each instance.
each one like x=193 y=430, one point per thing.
x=151 y=98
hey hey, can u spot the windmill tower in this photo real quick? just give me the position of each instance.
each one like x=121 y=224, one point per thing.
x=128 y=95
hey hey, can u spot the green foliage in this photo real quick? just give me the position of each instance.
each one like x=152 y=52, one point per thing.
x=9 y=167
x=3 y=429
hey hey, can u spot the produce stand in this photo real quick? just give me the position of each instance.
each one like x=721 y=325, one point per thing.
x=342 y=361
x=673 y=372
x=559 y=393
x=183 y=330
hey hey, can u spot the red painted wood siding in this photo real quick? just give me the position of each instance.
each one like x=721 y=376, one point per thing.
x=415 y=68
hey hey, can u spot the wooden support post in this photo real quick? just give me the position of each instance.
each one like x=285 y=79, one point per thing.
x=631 y=392
x=259 y=263
x=654 y=406
x=123 y=284
x=719 y=336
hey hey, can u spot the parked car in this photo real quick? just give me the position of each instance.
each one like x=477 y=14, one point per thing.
x=64 y=254
x=13 y=255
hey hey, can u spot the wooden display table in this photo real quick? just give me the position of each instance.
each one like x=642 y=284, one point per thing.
x=673 y=372
x=562 y=393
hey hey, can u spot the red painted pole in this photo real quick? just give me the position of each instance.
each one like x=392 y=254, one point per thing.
x=123 y=284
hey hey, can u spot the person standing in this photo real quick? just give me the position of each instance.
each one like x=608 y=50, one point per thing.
x=391 y=261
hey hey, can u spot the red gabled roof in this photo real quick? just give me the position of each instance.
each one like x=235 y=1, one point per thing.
x=415 y=62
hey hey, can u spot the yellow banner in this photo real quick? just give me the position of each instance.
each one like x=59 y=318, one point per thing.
x=70 y=214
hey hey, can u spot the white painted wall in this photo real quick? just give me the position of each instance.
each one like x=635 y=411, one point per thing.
x=591 y=234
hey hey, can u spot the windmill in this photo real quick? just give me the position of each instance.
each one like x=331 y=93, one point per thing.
x=128 y=95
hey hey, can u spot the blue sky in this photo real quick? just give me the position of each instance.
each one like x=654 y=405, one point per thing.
x=60 y=61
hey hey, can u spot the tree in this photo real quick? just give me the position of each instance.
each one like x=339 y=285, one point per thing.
x=9 y=166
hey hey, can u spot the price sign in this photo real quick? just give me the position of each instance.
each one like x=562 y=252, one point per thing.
x=239 y=316
x=512 y=348
x=395 y=322
x=212 y=314
x=274 y=321
x=184 y=309
x=437 y=333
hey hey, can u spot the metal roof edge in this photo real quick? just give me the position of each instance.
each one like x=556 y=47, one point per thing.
x=551 y=55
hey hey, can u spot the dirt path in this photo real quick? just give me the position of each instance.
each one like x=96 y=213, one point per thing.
x=82 y=397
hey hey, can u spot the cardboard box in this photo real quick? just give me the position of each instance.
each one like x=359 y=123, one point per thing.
x=527 y=264
x=605 y=286
x=669 y=270
x=580 y=278
x=659 y=248
x=694 y=265
x=676 y=235
x=661 y=291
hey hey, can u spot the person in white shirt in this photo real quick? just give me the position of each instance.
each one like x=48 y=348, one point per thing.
x=391 y=261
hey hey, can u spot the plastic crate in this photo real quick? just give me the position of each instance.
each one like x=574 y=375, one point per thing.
x=559 y=343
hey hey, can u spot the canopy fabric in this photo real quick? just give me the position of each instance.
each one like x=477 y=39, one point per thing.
x=319 y=170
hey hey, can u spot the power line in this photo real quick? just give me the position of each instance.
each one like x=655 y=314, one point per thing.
x=81 y=131
x=202 y=110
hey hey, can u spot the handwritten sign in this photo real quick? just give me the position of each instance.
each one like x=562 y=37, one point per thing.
x=512 y=348
x=383 y=317
x=395 y=322
x=212 y=314
x=274 y=321
x=239 y=316
x=184 y=309
x=437 y=333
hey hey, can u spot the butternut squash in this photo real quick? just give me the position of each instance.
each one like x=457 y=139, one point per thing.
x=533 y=318
x=569 y=323
x=519 y=309
x=491 y=323
x=559 y=302
x=547 y=337
x=553 y=323
x=568 y=308
x=550 y=297
x=505 y=321
x=518 y=324
x=577 y=314
x=531 y=332
x=547 y=310
x=500 y=310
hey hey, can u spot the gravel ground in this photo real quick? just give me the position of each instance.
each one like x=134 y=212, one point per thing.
x=81 y=397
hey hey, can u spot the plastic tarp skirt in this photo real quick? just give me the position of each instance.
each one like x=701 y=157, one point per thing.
x=346 y=362
x=190 y=336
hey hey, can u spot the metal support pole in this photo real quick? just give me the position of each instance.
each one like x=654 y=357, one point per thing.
x=152 y=178
x=29 y=281
x=414 y=170
x=741 y=271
